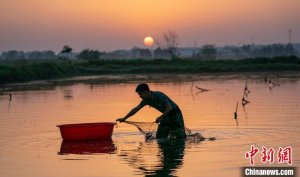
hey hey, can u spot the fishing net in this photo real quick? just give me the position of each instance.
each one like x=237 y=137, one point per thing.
x=148 y=129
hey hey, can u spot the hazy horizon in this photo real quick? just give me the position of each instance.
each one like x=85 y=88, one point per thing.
x=122 y=24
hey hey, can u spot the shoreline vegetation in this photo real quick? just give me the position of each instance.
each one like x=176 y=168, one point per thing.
x=16 y=71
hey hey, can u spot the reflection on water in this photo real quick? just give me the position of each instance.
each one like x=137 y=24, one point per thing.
x=68 y=94
x=30 y=140
x=155 y=158
x=172 y=153
x=87 y=147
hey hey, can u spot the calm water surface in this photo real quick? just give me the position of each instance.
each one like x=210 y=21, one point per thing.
x=30 y=142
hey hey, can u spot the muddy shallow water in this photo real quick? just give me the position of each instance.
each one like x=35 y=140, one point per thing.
x=30 y=142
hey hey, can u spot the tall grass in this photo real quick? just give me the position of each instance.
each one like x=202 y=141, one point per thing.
x=20 y=71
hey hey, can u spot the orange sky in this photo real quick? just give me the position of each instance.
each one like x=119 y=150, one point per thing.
x=115 y=24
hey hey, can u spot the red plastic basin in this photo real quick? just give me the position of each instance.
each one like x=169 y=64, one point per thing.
x=86 y=131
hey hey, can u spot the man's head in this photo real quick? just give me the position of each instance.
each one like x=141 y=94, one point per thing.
x=143 y=90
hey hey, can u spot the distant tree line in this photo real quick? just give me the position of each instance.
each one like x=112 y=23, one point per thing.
x=164 y=51
x=211 y=52
x=35 y=55
x=270 y=50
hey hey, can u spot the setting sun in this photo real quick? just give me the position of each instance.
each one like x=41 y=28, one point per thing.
x=148 y=41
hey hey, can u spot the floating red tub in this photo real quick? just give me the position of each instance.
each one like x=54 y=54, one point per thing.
x=86 y=131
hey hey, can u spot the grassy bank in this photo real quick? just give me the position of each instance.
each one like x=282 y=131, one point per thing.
x=21 y=71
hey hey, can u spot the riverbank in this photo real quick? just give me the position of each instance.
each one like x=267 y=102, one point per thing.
x=148 y=78
x=24 y=71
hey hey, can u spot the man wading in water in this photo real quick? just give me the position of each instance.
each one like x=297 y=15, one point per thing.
x=170 y=122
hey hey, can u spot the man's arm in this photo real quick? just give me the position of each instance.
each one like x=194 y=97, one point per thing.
x=131 y=113
x=169 y=108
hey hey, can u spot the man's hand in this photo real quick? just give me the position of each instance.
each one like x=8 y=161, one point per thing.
x=121 y=119
x=159 y=119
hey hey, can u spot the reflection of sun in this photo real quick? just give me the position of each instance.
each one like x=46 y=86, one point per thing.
x=148 y=41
